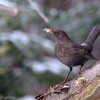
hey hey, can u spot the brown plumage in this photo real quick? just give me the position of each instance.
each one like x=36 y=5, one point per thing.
x=67 y=51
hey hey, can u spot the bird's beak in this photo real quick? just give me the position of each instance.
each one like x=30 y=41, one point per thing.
x=48 y=30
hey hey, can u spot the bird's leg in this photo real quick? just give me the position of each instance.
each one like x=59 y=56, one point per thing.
x=79 y=71
x=65 y=80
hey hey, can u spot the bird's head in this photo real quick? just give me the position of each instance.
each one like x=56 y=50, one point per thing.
x=58 y=35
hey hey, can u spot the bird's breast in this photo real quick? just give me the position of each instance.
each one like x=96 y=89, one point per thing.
x=65 y=54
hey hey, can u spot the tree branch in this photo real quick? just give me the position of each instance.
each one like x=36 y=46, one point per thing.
x=35 y=6
x=79 y=85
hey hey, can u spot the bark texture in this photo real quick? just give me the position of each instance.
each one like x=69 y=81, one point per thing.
x=86 y=86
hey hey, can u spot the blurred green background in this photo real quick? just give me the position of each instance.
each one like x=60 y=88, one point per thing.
x=28 y=65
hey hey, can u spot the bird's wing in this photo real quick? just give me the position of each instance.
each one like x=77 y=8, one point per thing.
x=74 y=48
x=83 y=52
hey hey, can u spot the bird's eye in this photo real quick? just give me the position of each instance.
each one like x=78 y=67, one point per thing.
x=56 y=33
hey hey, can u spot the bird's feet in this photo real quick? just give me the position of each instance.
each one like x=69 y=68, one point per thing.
x=61 y=87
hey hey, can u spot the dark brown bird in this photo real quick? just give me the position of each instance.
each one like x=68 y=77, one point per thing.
x=67 y=51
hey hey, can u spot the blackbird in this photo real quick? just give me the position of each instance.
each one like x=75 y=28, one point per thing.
x=68 y=52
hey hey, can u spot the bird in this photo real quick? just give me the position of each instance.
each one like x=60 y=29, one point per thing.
x=69 y=52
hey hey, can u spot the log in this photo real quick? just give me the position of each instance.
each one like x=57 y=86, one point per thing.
x=85 y=86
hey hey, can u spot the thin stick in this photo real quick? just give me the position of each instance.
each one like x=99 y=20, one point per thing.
x=35 y=6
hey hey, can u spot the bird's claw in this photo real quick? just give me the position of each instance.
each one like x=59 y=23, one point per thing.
x=61 y=88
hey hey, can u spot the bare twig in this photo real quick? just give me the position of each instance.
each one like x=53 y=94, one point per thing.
x=35 y=6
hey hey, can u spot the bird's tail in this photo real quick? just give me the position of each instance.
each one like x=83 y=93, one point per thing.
x=88 y=44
